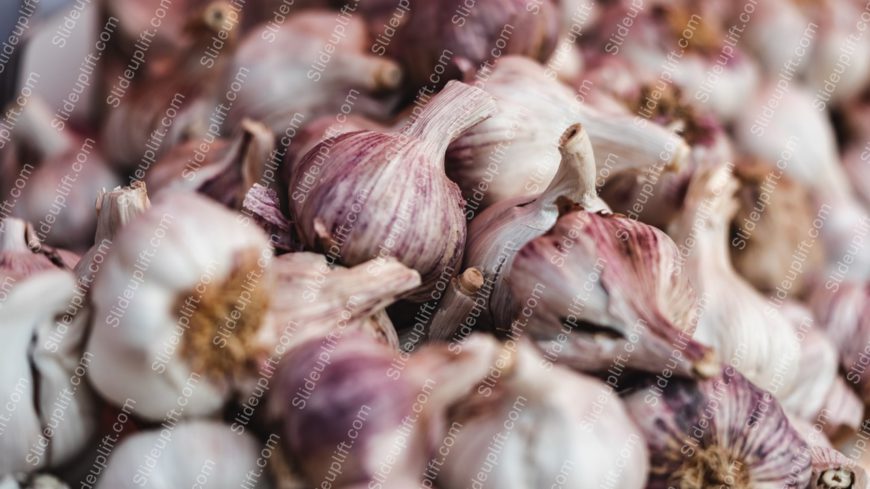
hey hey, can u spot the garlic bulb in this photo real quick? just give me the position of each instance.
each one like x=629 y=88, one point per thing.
x=343 y=205
x=22 y=255
x=184 y=101
x=49 y=412
x=528 y=424
x=351 y=403
x=604 y=292
x=318 y=53
x=747 y=331
x=719 y=432
x=179 y=297
x=496 y=234
x=773 y=204
x=491 y=161
x=228 y=171
x=476 y=33
x=205 y=454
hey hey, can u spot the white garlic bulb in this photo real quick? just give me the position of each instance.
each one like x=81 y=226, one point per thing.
x=182 y=292
x=528 y=425
x=48 y=413
x=203 y=454
x=747 y=331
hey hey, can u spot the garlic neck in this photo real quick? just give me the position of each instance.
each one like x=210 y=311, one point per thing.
x=118 y=207
x=448 y=114
x=17 y=236
x=575 y=178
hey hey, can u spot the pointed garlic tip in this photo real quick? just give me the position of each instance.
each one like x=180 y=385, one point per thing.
x=470 y=281
x=708 y=366
x=575 y=177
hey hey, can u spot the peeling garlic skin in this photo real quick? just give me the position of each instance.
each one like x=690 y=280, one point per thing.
x=545 y=427
x=184 y=248
x=723 y=430
x=204 y=454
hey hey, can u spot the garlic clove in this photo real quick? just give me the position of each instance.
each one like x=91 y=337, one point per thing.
x=206 y=454
x=342 y=206
x=719 y=431
x=503 y=228
x=747 y=330
x=597 y=288
x=179 y=294
x=543 y=424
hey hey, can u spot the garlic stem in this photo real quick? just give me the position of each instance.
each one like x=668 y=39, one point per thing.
x=838 y=478
x=575 y=178
x=457 y=303
x=17 y=235
x=117 y=207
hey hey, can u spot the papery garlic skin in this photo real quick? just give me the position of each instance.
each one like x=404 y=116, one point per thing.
x=370 y=194
x=536 y=426
x=42 y=377
x=723 y=430
x=533 y=111
x=176 y=299
x=595 y=287
x=282 y=63
x=498 y=232
x=21 y=253
x=206 y=454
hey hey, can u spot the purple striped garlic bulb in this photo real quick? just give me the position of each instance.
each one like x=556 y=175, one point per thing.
x=599 y=292
x=719 y=432
x=370 y=194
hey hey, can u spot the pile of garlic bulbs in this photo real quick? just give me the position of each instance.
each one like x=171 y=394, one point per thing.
x=394 y=244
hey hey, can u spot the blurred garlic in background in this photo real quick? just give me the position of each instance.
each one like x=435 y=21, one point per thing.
x=204 y=454
x=302 y=56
